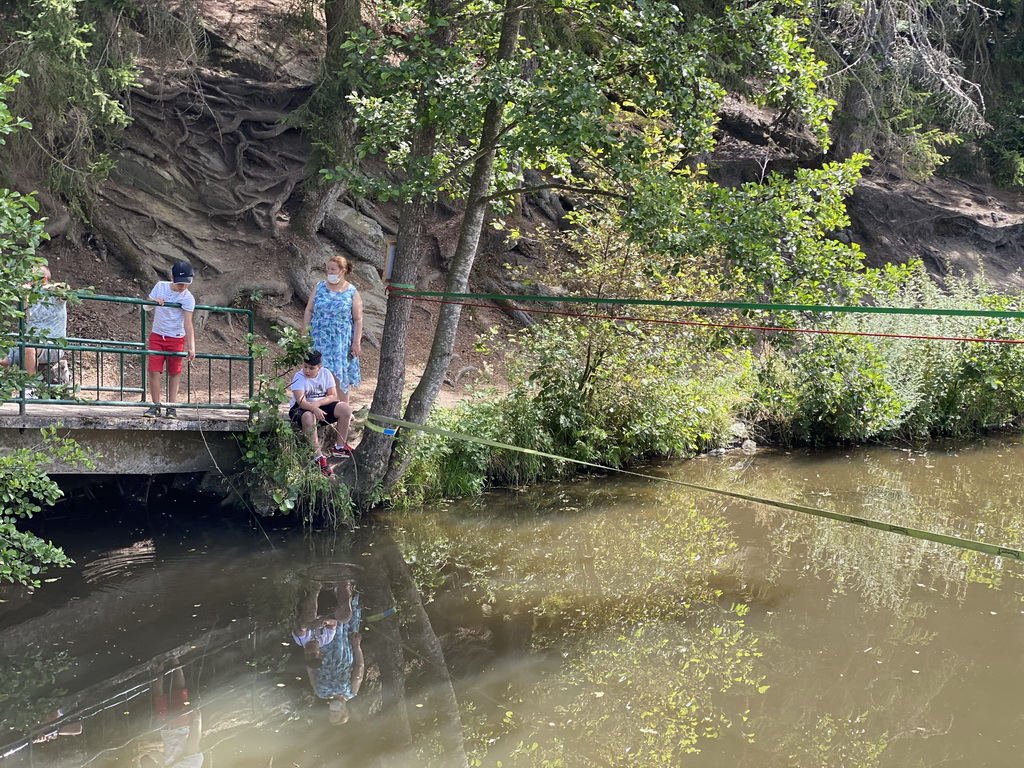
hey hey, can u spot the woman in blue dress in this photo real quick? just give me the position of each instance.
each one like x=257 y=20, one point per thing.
x=334 y=317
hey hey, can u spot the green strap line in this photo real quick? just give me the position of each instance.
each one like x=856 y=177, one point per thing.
x=402 y=292
x=914 y=533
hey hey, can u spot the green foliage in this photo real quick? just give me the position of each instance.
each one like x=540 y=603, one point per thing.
x=278 y=464
x=765 y=242
x=24 y=490
x=1004 y=147
x=27 y=693
x=20 y=233
x=623 y=121
x=444 y=468
x=613 y=393
x=79 y=67
x=831 y=389
x=961 y=387
x=839 y=389
x=24 y=487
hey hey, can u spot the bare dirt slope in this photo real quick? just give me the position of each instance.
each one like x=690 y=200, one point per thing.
x=953 y=226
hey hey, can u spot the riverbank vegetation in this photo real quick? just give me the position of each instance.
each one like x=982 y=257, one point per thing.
x=25 y=488
x=624 y=392
x=277 y=472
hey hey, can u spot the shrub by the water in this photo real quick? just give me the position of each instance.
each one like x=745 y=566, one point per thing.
x=596 y=392
x=617 y=394
x=830 y=389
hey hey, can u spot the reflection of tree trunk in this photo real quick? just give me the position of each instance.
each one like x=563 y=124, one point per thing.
x=512 y=632
x=387 y=652
x=587 y=550
x=422 y=634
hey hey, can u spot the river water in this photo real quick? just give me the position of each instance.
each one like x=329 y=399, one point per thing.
x=605 y=621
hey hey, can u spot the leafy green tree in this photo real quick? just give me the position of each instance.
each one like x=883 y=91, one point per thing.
x=20 y=235
x=461 y=99
x=79 y=55
x=24 y=487
x=24 y=490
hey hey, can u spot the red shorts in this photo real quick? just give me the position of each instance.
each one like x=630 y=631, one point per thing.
x=160 y=343
x=172 y=706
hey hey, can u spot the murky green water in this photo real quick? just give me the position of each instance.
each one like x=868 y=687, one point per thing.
x=600 y=622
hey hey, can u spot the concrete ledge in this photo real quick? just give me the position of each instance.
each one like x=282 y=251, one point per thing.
x=123 y=443
x=120 y=417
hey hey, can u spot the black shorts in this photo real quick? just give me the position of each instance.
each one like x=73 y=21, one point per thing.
x=295 y=413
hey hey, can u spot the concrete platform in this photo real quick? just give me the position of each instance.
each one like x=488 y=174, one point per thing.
x=124 y=443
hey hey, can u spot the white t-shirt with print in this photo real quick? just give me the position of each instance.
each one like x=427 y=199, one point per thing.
x=49 y=317
x=175 y=743
x=323 y=635
x=170 y=321
x=315 y=387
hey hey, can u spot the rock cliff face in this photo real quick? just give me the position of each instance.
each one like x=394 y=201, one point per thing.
x=953 y=226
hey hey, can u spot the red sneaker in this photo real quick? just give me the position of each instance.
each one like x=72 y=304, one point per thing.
x=345 y=452
x=321 y=461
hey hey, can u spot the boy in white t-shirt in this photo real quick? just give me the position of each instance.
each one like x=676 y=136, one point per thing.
x=315 y=401
x=181 y=722
x=172 y=330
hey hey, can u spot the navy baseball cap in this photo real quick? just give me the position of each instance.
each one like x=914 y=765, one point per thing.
x=182 y=272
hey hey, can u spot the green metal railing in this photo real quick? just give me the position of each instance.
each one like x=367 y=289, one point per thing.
x=100 y=367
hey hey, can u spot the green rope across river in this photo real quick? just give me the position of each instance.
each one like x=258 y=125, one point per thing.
x=387 y=425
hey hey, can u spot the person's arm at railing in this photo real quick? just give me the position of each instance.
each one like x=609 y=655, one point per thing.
x=153 y=297
x=190 y=337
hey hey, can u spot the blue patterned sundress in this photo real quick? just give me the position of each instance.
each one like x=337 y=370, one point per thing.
x=331 y=329
x=334 y=677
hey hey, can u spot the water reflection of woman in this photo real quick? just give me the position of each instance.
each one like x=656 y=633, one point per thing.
x=337 y=674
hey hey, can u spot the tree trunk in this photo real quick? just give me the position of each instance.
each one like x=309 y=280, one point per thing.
x=316 y=204
x=374 y=453
x=343 y=18
x=425 y=395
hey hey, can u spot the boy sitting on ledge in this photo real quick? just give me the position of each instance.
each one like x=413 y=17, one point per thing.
x=315 y=401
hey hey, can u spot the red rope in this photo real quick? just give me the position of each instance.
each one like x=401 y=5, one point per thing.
x=703 y=324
